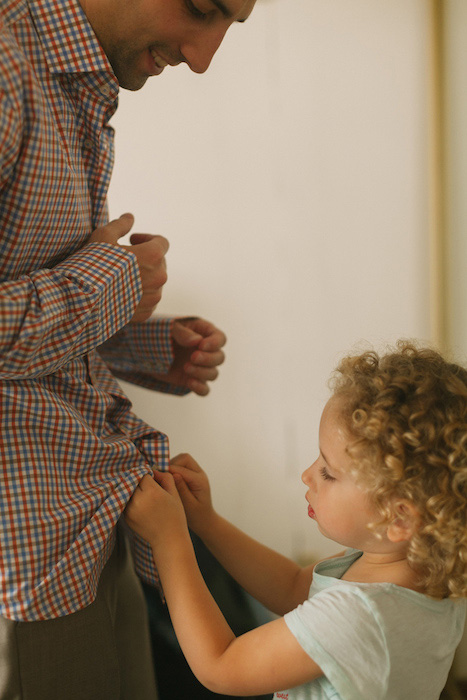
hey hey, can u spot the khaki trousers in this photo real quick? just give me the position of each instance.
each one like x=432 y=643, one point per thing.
x=99 y=653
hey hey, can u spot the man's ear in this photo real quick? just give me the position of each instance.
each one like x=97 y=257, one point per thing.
x=405 y=523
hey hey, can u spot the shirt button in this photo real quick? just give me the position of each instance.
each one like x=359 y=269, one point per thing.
x=88 y=144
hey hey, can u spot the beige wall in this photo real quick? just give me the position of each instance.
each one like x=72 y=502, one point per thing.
x=291 y=181
x=456 y=119
x=456 y=182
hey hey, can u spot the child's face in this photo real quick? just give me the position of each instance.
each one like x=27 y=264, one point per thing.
x=342 y=510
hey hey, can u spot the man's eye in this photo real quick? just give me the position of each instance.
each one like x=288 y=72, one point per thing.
x=325 y=474
x=196 y=12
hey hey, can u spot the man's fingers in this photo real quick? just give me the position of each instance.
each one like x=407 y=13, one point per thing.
x=193 y=331
x=207 y=359
x=199 y=388
x=213 y=338
x=149 y=251
x=111 y=232
x=138 y=238
x=121 y=226
x=216 y=340
x=150 y=257
x=185 y=336
x=151 y=242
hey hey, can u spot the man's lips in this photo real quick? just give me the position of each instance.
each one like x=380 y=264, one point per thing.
x=157 y=63
x=311 y=513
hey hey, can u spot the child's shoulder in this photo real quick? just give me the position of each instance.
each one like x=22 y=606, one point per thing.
x=378 y=626
x=387 y=604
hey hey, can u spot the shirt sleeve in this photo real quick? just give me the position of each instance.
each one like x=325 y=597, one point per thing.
x=341 y=631
x=51 y=316
x=140 y=351
x=10 y=134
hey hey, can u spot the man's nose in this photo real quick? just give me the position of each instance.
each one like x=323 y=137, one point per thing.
x=200 y=49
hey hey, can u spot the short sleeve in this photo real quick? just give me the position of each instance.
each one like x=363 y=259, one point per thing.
x=341 y=630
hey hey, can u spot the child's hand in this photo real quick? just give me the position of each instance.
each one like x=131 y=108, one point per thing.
x=155 y=511
x=193 y=487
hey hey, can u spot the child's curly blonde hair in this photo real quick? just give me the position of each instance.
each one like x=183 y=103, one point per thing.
x=407 y=411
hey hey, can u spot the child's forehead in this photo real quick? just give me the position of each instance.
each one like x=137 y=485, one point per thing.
x=334 y=435
x=339 y=445
x=333 y=413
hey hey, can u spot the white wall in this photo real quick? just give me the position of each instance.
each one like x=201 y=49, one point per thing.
x=291 y=181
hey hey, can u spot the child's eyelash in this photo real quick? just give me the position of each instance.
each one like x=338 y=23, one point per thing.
x=325 y=474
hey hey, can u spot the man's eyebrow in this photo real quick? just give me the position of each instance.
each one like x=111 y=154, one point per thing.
x=225 y=10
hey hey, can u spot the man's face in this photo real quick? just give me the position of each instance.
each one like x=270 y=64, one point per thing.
x=141 y=37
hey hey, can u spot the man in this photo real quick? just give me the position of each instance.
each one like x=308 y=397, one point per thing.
x=75 y=311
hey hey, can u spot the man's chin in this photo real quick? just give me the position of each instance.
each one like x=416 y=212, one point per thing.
x=133 y=86
x=132 y=82
x=129 y=79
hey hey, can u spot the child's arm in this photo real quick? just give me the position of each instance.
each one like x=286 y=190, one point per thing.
x=275 y=581
x=261 y=661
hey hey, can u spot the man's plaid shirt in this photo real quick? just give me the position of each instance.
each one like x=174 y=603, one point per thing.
x=71 y=450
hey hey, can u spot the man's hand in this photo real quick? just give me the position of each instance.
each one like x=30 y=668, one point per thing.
x=197 y=354
x=150 y=253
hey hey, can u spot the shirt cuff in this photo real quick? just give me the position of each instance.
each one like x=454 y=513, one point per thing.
x=140 y=351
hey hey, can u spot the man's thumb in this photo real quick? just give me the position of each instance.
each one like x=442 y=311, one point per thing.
x=119 y=227
x=184 y=336
x=111 y=232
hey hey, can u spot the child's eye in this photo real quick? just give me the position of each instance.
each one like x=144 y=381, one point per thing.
x=326 y=475
x=196 y=12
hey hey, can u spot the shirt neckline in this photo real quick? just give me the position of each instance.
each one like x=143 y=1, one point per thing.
x=67 y=38
x=328 y=573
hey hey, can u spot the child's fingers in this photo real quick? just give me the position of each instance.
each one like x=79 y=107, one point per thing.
x=187 y=474
x=190 y=476
x=182 y=487
x=147 y=482
x=187 y=461
x=166 y=481
x=192 y=483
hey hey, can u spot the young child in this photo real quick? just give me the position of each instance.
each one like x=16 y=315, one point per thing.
x=381 y=620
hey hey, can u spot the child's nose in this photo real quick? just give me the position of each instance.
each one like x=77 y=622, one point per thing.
x=307 y=475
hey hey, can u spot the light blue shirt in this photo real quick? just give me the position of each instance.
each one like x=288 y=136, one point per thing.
x=373 y=641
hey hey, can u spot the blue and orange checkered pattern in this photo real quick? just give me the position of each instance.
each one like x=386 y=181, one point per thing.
x=71 y=450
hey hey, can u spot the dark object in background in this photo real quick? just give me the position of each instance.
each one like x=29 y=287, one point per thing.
x=173 y=675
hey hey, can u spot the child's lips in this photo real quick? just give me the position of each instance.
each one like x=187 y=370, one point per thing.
x=311 y=513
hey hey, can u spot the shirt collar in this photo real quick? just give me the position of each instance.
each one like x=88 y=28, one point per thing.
x=68 y=40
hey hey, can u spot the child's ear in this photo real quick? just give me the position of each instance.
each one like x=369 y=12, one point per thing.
x=405 y=523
